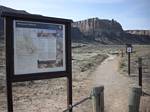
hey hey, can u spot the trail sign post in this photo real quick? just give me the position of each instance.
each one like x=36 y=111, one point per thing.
x=129 y=50
x=37 y=47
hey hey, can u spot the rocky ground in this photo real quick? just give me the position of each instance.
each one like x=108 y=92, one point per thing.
x=142 y=51
x=50 y=95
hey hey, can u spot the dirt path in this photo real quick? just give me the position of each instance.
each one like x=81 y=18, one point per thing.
x=116 y=85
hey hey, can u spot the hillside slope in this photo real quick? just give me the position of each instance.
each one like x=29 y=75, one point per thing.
x=106 y=32
x=98 y=30
x=139 y=32
x=6 y=9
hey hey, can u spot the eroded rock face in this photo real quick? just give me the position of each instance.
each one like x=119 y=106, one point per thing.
x=94 y=29
x=108 y=32
x=99 y=30
x=94 y=25
x=139 y=32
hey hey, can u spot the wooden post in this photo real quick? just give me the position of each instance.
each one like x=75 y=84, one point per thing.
x=140 y=71
x=129 y=63
x=134 y=99
x=129 y=50
x=69 y=93
x=98 y=99
x=8 y=29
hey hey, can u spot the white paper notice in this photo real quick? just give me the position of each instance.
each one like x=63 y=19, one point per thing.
x=47 y=49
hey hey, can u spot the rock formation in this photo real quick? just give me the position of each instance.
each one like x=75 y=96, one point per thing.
x=95 y=30
x=106 y=32
x=95 y=24
x=139 y=32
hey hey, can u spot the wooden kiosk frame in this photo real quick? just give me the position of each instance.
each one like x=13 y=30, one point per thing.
x=9 y=39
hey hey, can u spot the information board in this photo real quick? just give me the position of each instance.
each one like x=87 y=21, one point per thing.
x=38 y=47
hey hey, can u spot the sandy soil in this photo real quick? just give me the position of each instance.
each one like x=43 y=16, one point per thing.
x=116 y=85
x=144 y=52
x=50 y=95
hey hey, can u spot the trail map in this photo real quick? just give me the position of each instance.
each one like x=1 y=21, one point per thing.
x=38 y=47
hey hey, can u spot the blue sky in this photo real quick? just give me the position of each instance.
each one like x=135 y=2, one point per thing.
x=132 y=14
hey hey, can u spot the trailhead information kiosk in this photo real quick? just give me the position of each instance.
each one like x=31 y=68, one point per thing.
x=37 y=47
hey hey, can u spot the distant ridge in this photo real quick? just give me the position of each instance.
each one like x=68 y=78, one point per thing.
x=6 y=9
x=139 y=32
x=98 y=30
x=106 y=32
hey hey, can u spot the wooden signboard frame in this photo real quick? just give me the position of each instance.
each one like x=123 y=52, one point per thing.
x=11 y=77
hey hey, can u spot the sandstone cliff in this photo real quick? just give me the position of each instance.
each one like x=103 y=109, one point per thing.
x=95 y=30
x=139 y=32
x=105 y=32
x=94 y=24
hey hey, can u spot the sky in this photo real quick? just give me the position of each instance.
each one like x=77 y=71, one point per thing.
x=131 y=14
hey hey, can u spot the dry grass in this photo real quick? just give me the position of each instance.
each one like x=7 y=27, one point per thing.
x=144 y=52
x=50 y=95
